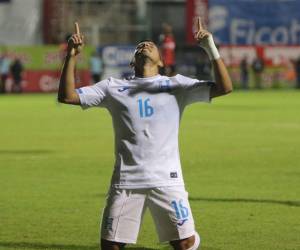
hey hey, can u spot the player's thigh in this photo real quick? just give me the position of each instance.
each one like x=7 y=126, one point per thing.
x=171 y=212
x=122 y=215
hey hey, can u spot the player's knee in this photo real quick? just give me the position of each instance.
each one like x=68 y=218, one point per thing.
x=196 y=244
x=191 y=243
x=111 y=245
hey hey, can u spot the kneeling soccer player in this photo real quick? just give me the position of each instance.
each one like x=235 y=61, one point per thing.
x=146 y=111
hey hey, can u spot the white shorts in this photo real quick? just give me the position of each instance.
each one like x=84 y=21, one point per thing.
x=169 y=207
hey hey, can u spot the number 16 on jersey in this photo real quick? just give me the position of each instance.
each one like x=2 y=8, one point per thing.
x=145 y=110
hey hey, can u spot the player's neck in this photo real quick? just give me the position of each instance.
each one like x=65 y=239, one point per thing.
x=146 y=71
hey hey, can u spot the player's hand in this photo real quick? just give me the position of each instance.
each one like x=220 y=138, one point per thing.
x=206 y=41
x=75 y=43
x=202 y=35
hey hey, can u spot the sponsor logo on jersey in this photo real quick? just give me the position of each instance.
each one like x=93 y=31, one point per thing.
x=180 y=223
x=123 y=89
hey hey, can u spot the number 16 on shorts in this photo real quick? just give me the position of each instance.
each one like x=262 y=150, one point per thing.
x=182 y=212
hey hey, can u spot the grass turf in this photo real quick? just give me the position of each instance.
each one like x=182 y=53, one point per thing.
x=240 y=159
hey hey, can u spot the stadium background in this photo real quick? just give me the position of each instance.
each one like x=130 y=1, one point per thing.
x=240 y=155
x=35 y=30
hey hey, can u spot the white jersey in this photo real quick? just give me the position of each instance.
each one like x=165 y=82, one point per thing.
x=146 y=115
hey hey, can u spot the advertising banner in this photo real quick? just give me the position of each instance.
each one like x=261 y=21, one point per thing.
x=45 y=81
x=255 y=22
x=45 y=57
x=116 y=59
x=195 y=9
x=42 y=66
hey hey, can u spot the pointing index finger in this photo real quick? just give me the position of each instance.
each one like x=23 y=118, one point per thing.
x=77 y=31
x=199 y=23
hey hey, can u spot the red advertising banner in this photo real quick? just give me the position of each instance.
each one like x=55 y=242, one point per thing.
x=273 y=56
x=46 y=80
x=279 y=62
x=195 y=9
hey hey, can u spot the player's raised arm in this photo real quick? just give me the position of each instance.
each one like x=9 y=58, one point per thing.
x=66 y=91
x=223 y=84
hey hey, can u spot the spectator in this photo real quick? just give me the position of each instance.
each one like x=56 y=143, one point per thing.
x=258 y=67
x=96 y=67
x=244 y=73
x=4 y=70
x=297 y=71
x=16 y=70
x=167 y=47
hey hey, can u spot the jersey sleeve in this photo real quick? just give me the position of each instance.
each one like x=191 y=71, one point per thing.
x=193 y=90
x=93 y=96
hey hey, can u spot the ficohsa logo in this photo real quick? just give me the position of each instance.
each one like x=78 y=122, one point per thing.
x=217 y=19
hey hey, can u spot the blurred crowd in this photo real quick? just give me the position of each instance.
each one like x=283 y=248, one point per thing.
x=10 y=67
x=257 y=68
x=249 y=73
x=297 y=70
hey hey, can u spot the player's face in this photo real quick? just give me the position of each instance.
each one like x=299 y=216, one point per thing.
x=148 y=49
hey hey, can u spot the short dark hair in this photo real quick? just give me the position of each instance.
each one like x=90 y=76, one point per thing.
x=132 y=62
x=145 y=40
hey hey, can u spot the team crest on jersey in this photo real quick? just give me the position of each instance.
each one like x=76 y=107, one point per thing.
x=164 y=85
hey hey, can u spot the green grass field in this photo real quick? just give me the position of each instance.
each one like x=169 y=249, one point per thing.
x=240 y=157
